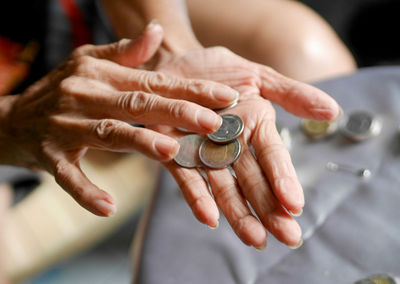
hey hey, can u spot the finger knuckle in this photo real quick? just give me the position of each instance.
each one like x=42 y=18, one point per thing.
x=82 y=50
x=60 y=172
x=67 y=85
x=81 y=65
x=266 y=127
x=153 y=81
x=105 y=128
x=240 y=224
x=178 y=109
x=136 y=103
x=194 y=88
x=159 y=79
x=120 y=45
x=197 y=202
x=222 y=50
x=84 y=65
x=226 y=193
x=63 y=176
x=187 y=183
x=253 y=182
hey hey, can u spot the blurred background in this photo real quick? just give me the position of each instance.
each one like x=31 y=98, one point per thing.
x=368 y=27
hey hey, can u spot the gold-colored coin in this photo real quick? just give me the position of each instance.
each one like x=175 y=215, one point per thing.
x=318 y=129
x=219 y=156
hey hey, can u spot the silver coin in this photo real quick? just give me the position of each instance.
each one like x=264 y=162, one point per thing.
x=184 y=130
x=360 y=125
x=232 y=105
x=188 y=155
x=231 y=128
x=219 y=156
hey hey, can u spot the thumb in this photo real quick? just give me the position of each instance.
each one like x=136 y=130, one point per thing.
x=71 y=178
x=127 y=52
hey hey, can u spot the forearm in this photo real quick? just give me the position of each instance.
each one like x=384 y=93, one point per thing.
x=129 y=17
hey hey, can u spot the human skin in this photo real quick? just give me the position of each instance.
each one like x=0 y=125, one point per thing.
x=267 y=180
x=283 y=34
x=90 y=100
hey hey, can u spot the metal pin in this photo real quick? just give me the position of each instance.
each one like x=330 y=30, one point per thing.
x=334 y=167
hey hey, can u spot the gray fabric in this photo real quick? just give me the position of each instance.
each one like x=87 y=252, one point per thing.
x=351 y=226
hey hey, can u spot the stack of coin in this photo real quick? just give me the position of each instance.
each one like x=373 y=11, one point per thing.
x=232 y=105
x=218 y=150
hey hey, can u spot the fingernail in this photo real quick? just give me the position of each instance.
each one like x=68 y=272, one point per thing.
x=105 y=207
x=151 y=24
x=226 y=94
x=110 y=200
x=262 y=247
x=213 y=227
x=208 y=120
x=297 y=214
x=168 y=148
x=339 y=115
x=299 y=244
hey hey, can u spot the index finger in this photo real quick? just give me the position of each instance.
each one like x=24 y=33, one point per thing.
x=206 y=93
x=296 y=97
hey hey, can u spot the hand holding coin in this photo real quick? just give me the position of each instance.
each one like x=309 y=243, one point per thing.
x=265 y=180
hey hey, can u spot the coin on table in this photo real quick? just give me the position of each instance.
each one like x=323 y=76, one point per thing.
x=219 y=156
x=188 y=155
x=317 y=130
x=378 y=279
x=360 y=125
x=231 y=128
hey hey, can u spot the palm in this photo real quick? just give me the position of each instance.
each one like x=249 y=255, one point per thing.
x=266 y=179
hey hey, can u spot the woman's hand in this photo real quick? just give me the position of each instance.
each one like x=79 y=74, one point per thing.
x=90 y=100
x=267 y=179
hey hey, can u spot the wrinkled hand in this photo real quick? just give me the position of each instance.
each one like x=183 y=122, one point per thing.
x=89 y=101
x=267 y=180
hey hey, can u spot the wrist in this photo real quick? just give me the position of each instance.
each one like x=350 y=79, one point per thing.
x=179 y=43
x=169 y=50
x=129 y=18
